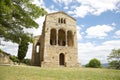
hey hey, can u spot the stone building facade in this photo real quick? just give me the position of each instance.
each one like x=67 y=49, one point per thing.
x=57 y=45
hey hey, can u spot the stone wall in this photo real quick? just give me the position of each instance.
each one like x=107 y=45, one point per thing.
x=4 y=58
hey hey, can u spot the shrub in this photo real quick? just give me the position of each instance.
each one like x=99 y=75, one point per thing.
x=26 y=61
x=94 y=63
x=14 y=58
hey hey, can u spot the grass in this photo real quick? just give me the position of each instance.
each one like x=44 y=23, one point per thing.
x=37 y=73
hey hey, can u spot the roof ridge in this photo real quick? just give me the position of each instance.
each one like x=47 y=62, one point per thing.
x=63 y=13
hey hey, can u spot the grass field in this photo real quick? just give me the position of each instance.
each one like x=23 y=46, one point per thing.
x=37 y=73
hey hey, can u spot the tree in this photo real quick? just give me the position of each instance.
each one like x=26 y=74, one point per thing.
x=114 y=59
x=94 y=63
x=15 y=16
x=22 y=49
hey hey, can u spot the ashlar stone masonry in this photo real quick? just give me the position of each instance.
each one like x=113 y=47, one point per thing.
x=57 y=45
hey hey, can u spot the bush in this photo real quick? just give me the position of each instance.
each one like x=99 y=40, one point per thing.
x=26 y=61
x=94 y=63
x=14 y=58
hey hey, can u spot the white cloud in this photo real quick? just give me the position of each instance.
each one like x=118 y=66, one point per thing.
x=82 y=11
x=112 y=44
x=113 y=24
x=66 y=7
x=79 y=36
x=87 y=51
x=36 y=31
x=73 y=6
x=39 y=29
x=39 y=3
x=9 y=47
x=29 y=52
x=52 y=6
x=70 y=12
x=95 y=7
x=12 y=48
x=98 y=31
x=66 y=2
x=117 y=33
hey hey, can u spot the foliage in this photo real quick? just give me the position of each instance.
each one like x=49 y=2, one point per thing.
x=17 y=15
x=114 y=59
x=22 y=49
x=27 y=61
x=94 y=63
x=0 y=50
x=37 y=73
x=14 y=58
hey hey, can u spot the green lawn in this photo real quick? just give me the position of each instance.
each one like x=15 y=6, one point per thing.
x=37 y=73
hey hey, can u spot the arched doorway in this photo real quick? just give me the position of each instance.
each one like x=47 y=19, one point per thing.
x=37 y=55
x=62 y=59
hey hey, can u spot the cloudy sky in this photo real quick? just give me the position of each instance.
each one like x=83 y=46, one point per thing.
x=98 y=26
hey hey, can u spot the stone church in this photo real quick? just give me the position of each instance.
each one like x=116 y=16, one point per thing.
x=57 y=45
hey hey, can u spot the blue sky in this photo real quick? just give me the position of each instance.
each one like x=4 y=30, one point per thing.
x=98 y=26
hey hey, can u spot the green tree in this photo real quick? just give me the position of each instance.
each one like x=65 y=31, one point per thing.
x=22 y=49
x=17 y=15
x=114 y=59
x=94 y=63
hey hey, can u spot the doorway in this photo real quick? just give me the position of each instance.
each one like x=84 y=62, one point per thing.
x=62 y=59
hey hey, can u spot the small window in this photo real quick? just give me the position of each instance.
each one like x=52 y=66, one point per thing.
x=64 y=21
x=61 y=20
x=37 y=47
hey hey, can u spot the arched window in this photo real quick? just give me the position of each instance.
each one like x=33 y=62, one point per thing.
x=37 y=47
x=61 y=37
x=53 y=37
x=59 y=20
x=62 y=20
x=70 y=41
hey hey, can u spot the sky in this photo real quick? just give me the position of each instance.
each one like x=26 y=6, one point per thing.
x=97 y=22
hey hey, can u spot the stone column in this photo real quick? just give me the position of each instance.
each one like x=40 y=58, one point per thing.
x=66 y=38
x=56 y=36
